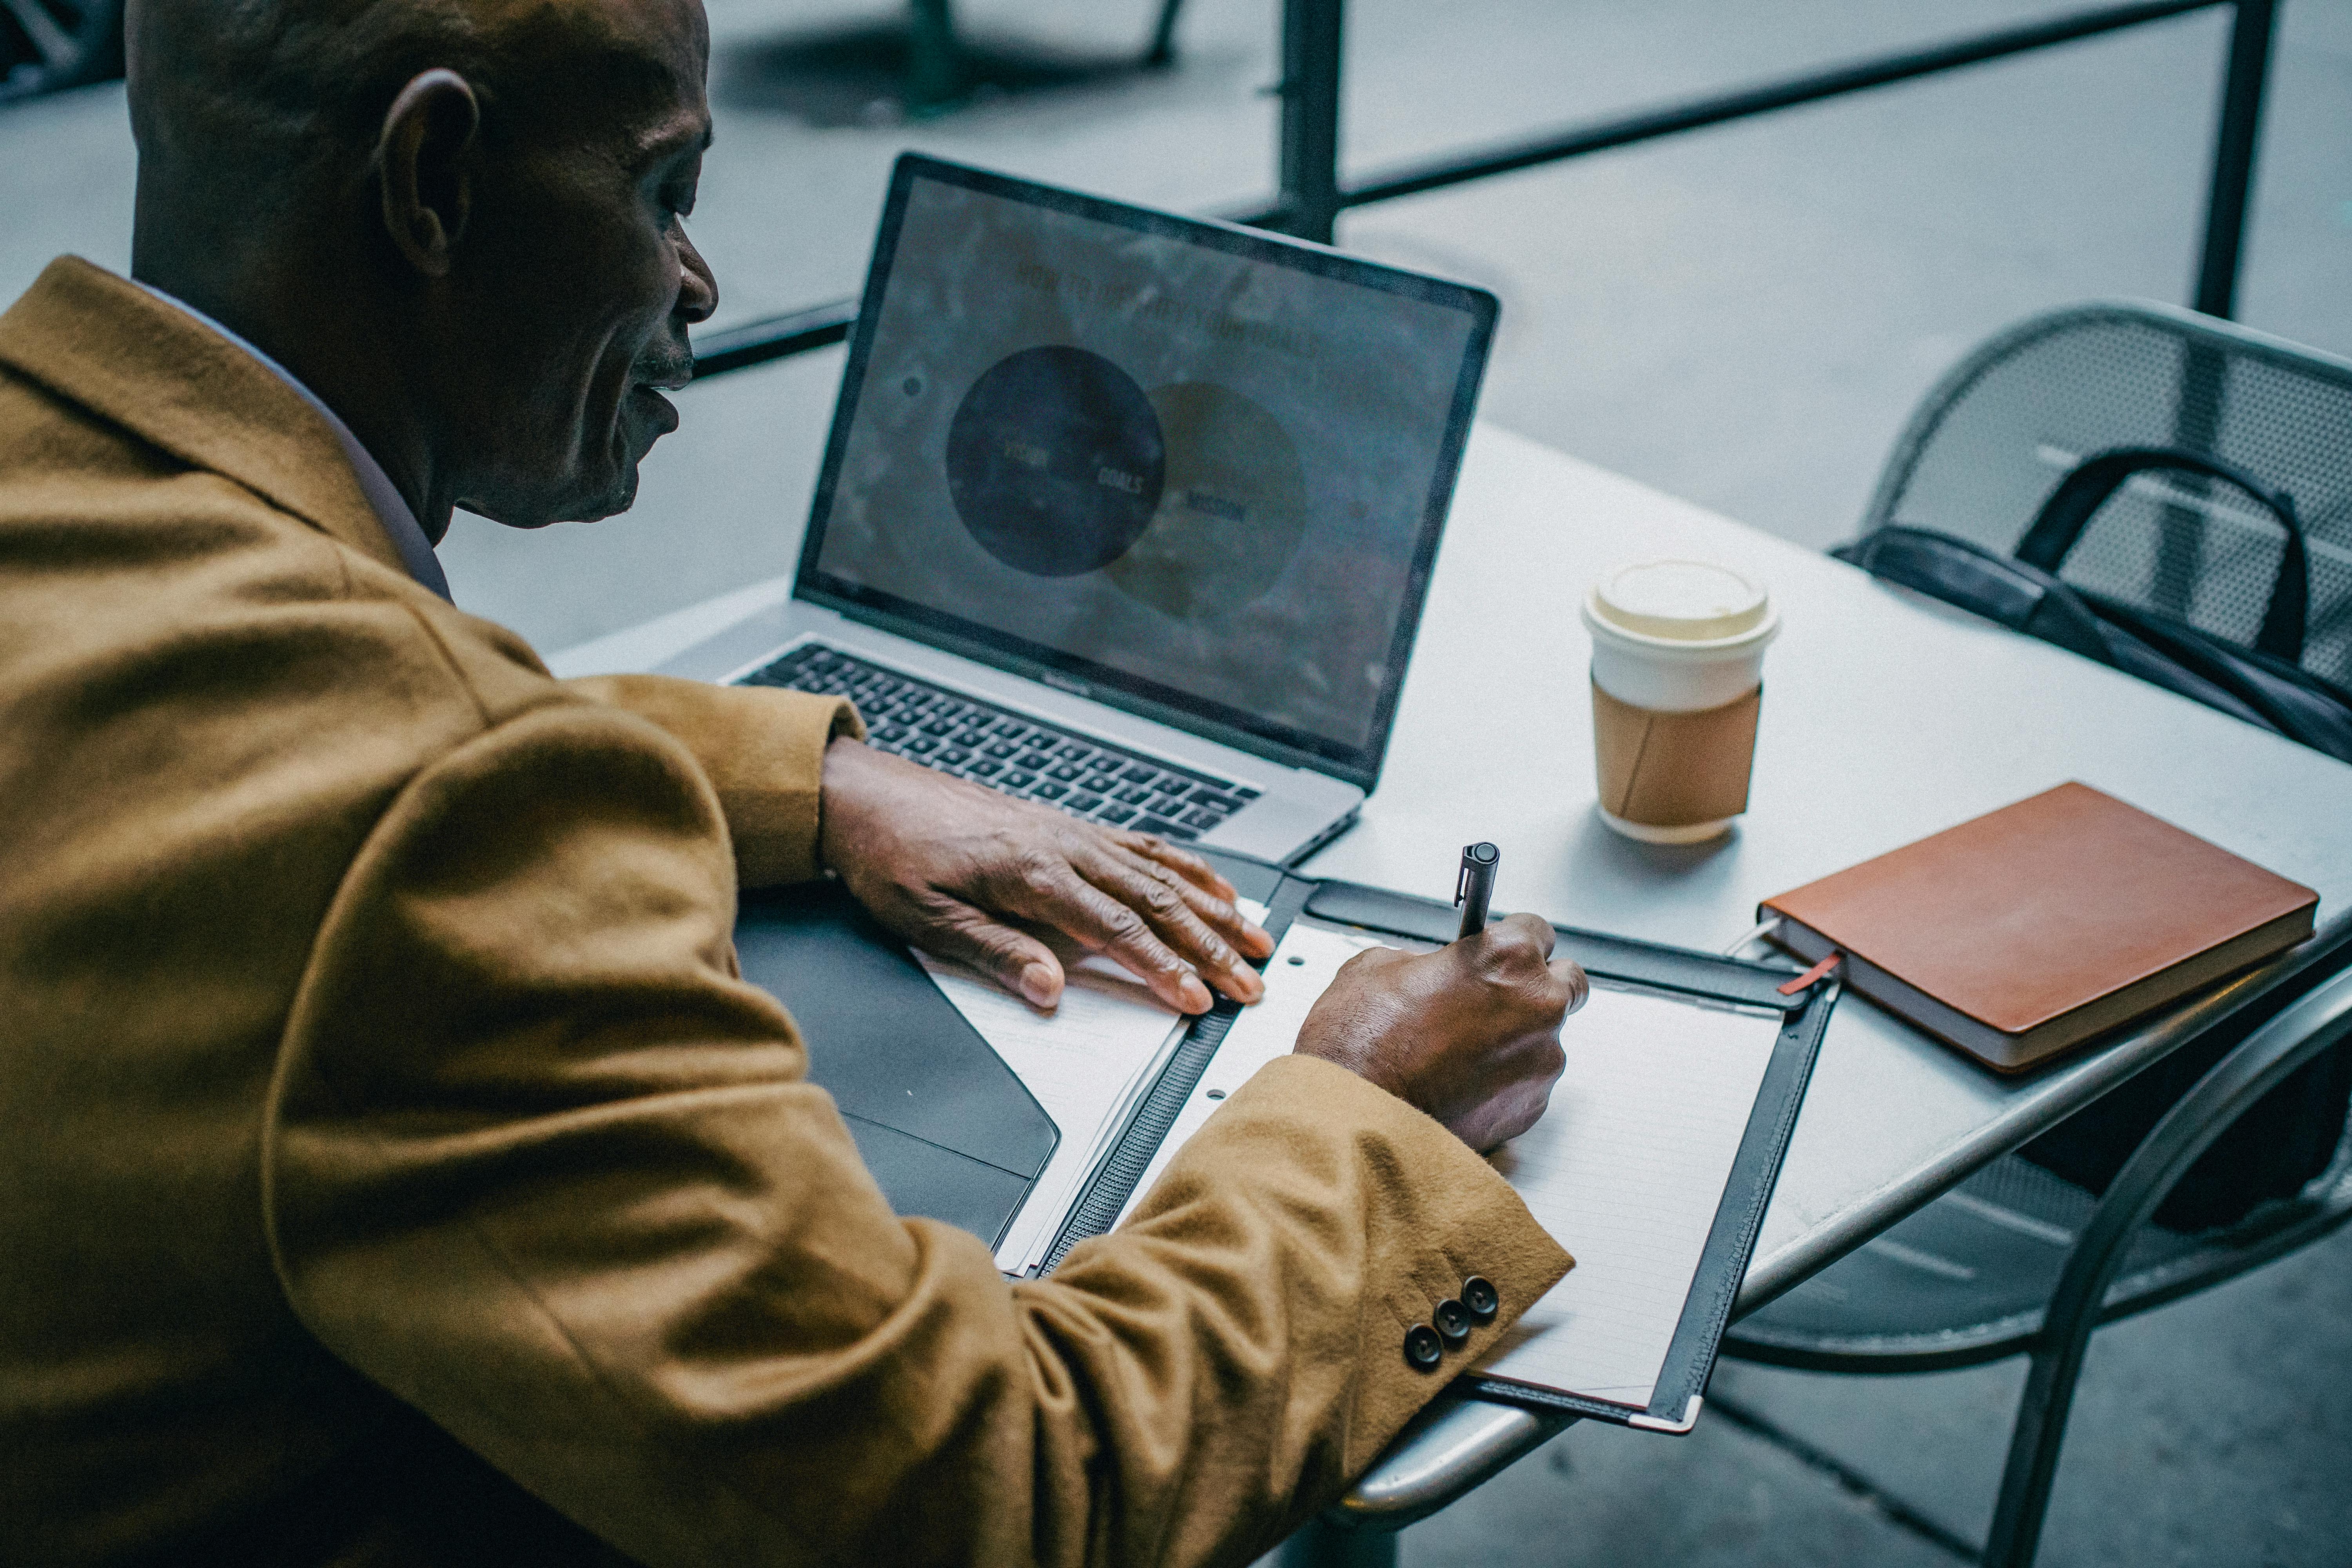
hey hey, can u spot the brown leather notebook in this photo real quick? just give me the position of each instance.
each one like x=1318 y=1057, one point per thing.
x=2033 y=928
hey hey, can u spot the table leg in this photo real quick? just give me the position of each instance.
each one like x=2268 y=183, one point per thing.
x=1321 y=1545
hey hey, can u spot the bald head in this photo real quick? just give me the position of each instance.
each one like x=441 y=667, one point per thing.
x=297 y=90
x=459 y=222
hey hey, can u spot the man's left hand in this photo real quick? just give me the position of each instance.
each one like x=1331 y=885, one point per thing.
x=958 y=870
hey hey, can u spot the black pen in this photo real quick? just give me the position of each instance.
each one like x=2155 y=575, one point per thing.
x=1475 y=888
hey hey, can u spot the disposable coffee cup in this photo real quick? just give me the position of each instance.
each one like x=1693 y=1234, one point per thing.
x=1677 y=685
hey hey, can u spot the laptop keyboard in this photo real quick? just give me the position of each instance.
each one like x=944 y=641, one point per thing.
x=1011 y=752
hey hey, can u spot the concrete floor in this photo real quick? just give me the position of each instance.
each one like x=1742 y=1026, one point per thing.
x=1742 y=316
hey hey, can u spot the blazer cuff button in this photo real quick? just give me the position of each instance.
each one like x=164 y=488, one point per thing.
x=1479 y=1295
x=1453 y=1321
x=1421 y=1350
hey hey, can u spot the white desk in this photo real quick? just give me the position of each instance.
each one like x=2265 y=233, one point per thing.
x=1885 y=719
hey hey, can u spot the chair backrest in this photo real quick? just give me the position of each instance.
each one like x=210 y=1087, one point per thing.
x=2000 y=430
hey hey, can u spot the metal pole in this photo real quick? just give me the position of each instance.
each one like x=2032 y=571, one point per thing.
x=1161 y=50
x=934 y=59
x=2196 y=421
x=2196 y=427
x=2233 y=154
x=1648 y=125
x=1310 y=203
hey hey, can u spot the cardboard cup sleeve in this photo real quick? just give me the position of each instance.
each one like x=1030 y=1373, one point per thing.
x=1672 y=770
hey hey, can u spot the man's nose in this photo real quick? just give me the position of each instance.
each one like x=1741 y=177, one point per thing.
x=698 y=290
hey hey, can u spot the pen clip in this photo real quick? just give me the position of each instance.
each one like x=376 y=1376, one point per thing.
x=1462 y=881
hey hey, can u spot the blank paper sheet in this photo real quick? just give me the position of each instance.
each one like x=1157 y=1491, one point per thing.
x=1081 y=1061
x=1086 y=1063
x=1626 y=1171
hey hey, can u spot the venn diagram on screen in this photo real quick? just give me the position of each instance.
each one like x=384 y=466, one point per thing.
x=1189 y=497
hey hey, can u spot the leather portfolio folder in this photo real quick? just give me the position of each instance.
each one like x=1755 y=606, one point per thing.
x=947 y=1130
x=948 y=1133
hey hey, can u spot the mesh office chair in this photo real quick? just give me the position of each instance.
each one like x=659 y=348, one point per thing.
x=1995 y=436
x=2016 y=1259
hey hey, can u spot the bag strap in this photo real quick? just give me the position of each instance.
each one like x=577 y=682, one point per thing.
x=2001 y=588
x=2082 y=493
x=2027 y=599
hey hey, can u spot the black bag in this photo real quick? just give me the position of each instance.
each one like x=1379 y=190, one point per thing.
x=2290 y=1135
x=2264 y=685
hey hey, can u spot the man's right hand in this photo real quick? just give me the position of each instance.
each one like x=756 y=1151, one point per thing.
x=1469 y=1034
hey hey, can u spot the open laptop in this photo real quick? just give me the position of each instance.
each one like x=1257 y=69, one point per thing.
x=1125 y=512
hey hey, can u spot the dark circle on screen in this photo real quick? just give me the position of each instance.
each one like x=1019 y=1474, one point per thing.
x=1232 y=511
x=1055 y=461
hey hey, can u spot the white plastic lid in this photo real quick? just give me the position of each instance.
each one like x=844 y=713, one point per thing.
x=1681 y=601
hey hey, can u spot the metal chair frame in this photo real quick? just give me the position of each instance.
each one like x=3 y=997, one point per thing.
x=2199 y=331
x=2101 y=1281
x=2271 y=1232
x=2316 y=1022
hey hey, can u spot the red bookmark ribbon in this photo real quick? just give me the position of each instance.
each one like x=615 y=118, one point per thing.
x=1818 y=971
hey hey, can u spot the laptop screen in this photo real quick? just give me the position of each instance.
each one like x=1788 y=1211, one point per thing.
x=1193 y=470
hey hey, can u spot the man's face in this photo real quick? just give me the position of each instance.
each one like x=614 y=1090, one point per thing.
x=567 y=310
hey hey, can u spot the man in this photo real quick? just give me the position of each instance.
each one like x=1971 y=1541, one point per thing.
x=393 y=1170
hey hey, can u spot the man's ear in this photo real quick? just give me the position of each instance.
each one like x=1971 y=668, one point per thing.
x=423 y=161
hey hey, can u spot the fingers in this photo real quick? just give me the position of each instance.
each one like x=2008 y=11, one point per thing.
x=1571 y=976
x=1211 y=896
x=1512 y=930
x=1046 y=888
x=947 y=850
x=1508 y=1114
x=1183 y=862
x=1200 y=926
x=1014 y=959
x=1509 y=956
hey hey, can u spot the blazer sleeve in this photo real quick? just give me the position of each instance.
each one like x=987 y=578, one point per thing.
x=536 y=1160
x=763 y=750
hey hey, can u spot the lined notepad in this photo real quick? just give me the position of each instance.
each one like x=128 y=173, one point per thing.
x=1626 y=1169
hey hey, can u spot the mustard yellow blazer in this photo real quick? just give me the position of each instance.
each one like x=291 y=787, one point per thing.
x=394 y=1169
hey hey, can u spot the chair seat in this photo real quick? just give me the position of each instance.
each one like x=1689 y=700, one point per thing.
x=1965 y=1278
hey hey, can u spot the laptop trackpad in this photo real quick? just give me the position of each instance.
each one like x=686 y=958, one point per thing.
x=945 y=1127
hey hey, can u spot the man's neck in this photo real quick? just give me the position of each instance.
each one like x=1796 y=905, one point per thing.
x=333 y=350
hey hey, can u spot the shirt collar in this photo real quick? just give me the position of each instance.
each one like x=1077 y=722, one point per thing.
x=392 y=511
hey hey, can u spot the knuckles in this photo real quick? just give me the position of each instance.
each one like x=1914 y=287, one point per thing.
x=1128 y=929
x=1510 y=954
x=1040 y=870
x=1360 y=970
x=1162 y=900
